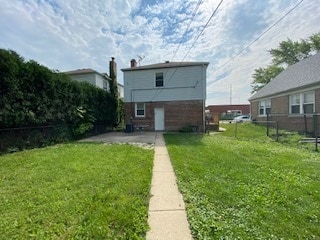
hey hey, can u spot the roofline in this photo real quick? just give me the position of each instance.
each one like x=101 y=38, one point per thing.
x=283 y=93
x=86 y=71
x=165 y=65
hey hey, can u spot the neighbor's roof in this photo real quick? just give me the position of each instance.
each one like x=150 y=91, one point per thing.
x=85 y=71
x=166 y=65
x=305 y=73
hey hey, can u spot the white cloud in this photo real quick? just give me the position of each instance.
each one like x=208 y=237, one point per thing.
x=67 y=35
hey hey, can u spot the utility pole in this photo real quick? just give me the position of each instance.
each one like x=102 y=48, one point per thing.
x=230 y=94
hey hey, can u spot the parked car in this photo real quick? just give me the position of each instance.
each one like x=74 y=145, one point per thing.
x=242 y=118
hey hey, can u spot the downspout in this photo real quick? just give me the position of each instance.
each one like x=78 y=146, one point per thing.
x=204 y=80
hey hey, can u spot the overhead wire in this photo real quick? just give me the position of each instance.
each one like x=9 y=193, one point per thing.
x=194 y=42
x=188 y=27
x=206 y=25
x=256 y=39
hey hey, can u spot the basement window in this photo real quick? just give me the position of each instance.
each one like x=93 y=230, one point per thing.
x=159 y=80
x=140 y=109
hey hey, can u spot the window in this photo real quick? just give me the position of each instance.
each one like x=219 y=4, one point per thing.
x=159 y=80
x=295 y=103
x=265 y=107
x=308 y=102
x=140 y=109
x=302 y=103
x=268 y=106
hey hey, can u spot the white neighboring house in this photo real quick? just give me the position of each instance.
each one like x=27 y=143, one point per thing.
x=100 y=80
x=90 y=76
x=165 y=96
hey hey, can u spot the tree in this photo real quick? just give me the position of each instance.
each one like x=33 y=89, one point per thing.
x=315 y=42
x=264 y=75
x=287 y=53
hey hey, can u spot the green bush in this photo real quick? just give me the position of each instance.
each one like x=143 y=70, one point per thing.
x=33 y=95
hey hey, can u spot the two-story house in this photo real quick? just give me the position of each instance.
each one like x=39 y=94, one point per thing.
x=165 y=96
x=90 y=76
x=100 y=80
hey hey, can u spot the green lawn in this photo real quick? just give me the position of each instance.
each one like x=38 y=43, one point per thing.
x=248 y=187
x=75 y=191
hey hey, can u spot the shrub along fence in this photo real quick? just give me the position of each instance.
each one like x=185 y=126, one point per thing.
x=39 y=106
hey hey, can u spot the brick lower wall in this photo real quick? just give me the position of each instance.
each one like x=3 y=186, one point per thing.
x=177 y=115
x=279 y=113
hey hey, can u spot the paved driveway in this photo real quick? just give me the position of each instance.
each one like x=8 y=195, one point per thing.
x=121 y=137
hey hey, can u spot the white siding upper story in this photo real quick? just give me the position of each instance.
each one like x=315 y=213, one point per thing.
x=120 y=90
x=92 y=78
x=179 y=83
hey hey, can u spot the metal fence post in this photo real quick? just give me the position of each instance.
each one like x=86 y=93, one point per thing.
x=277 y=131
x=236 y=130
x=268 y=124
x=315 y=122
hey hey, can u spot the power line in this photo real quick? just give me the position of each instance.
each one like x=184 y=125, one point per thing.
x=192 y=18
x=256 y=39
x=214 y=12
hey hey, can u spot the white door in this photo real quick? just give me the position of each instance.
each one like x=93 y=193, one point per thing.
x=159 y=119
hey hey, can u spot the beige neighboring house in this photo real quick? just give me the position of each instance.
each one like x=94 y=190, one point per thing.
x=165 y=96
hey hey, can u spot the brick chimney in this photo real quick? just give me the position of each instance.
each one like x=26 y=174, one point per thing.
x=133 y=63
x=113 y=76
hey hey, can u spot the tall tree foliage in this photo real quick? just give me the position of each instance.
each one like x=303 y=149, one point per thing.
x=32 y=95
x=288 y=52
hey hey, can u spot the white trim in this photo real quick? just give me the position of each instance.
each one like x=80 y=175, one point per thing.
x=136 y=110
x=287 y=93
x=155 y=80
x=301 y=102
x=264 y=101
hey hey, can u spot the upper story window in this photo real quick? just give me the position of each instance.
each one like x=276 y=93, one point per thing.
x=301 y=103
x=140 y=109
x=159 y=80
x=265 y=107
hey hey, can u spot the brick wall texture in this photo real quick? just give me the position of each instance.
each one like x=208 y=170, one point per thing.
x=177 y=114
x=280 y=113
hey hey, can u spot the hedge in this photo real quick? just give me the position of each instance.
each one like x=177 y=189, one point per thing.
x=33 y=95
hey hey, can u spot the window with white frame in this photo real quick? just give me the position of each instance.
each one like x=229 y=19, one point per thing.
x=301 y=103
x=140 y=109
x=264 y=107
x=308 y=102
x=159 y=80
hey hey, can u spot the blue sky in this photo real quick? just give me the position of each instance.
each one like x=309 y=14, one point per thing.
x=71 y=34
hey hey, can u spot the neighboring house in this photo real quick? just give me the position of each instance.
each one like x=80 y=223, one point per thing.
x=292 y=98
x=229 y=111
x=165 y=96
x=100 y=80
x=91 y=76
x=120 y=90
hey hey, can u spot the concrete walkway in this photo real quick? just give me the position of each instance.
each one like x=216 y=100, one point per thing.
x=167 y=216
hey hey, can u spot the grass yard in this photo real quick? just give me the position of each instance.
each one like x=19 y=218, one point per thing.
x=248 y=187
x=75 y=191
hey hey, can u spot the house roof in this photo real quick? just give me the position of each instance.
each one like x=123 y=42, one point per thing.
x=86 y=71
x=165 y=65
x=303 y=74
